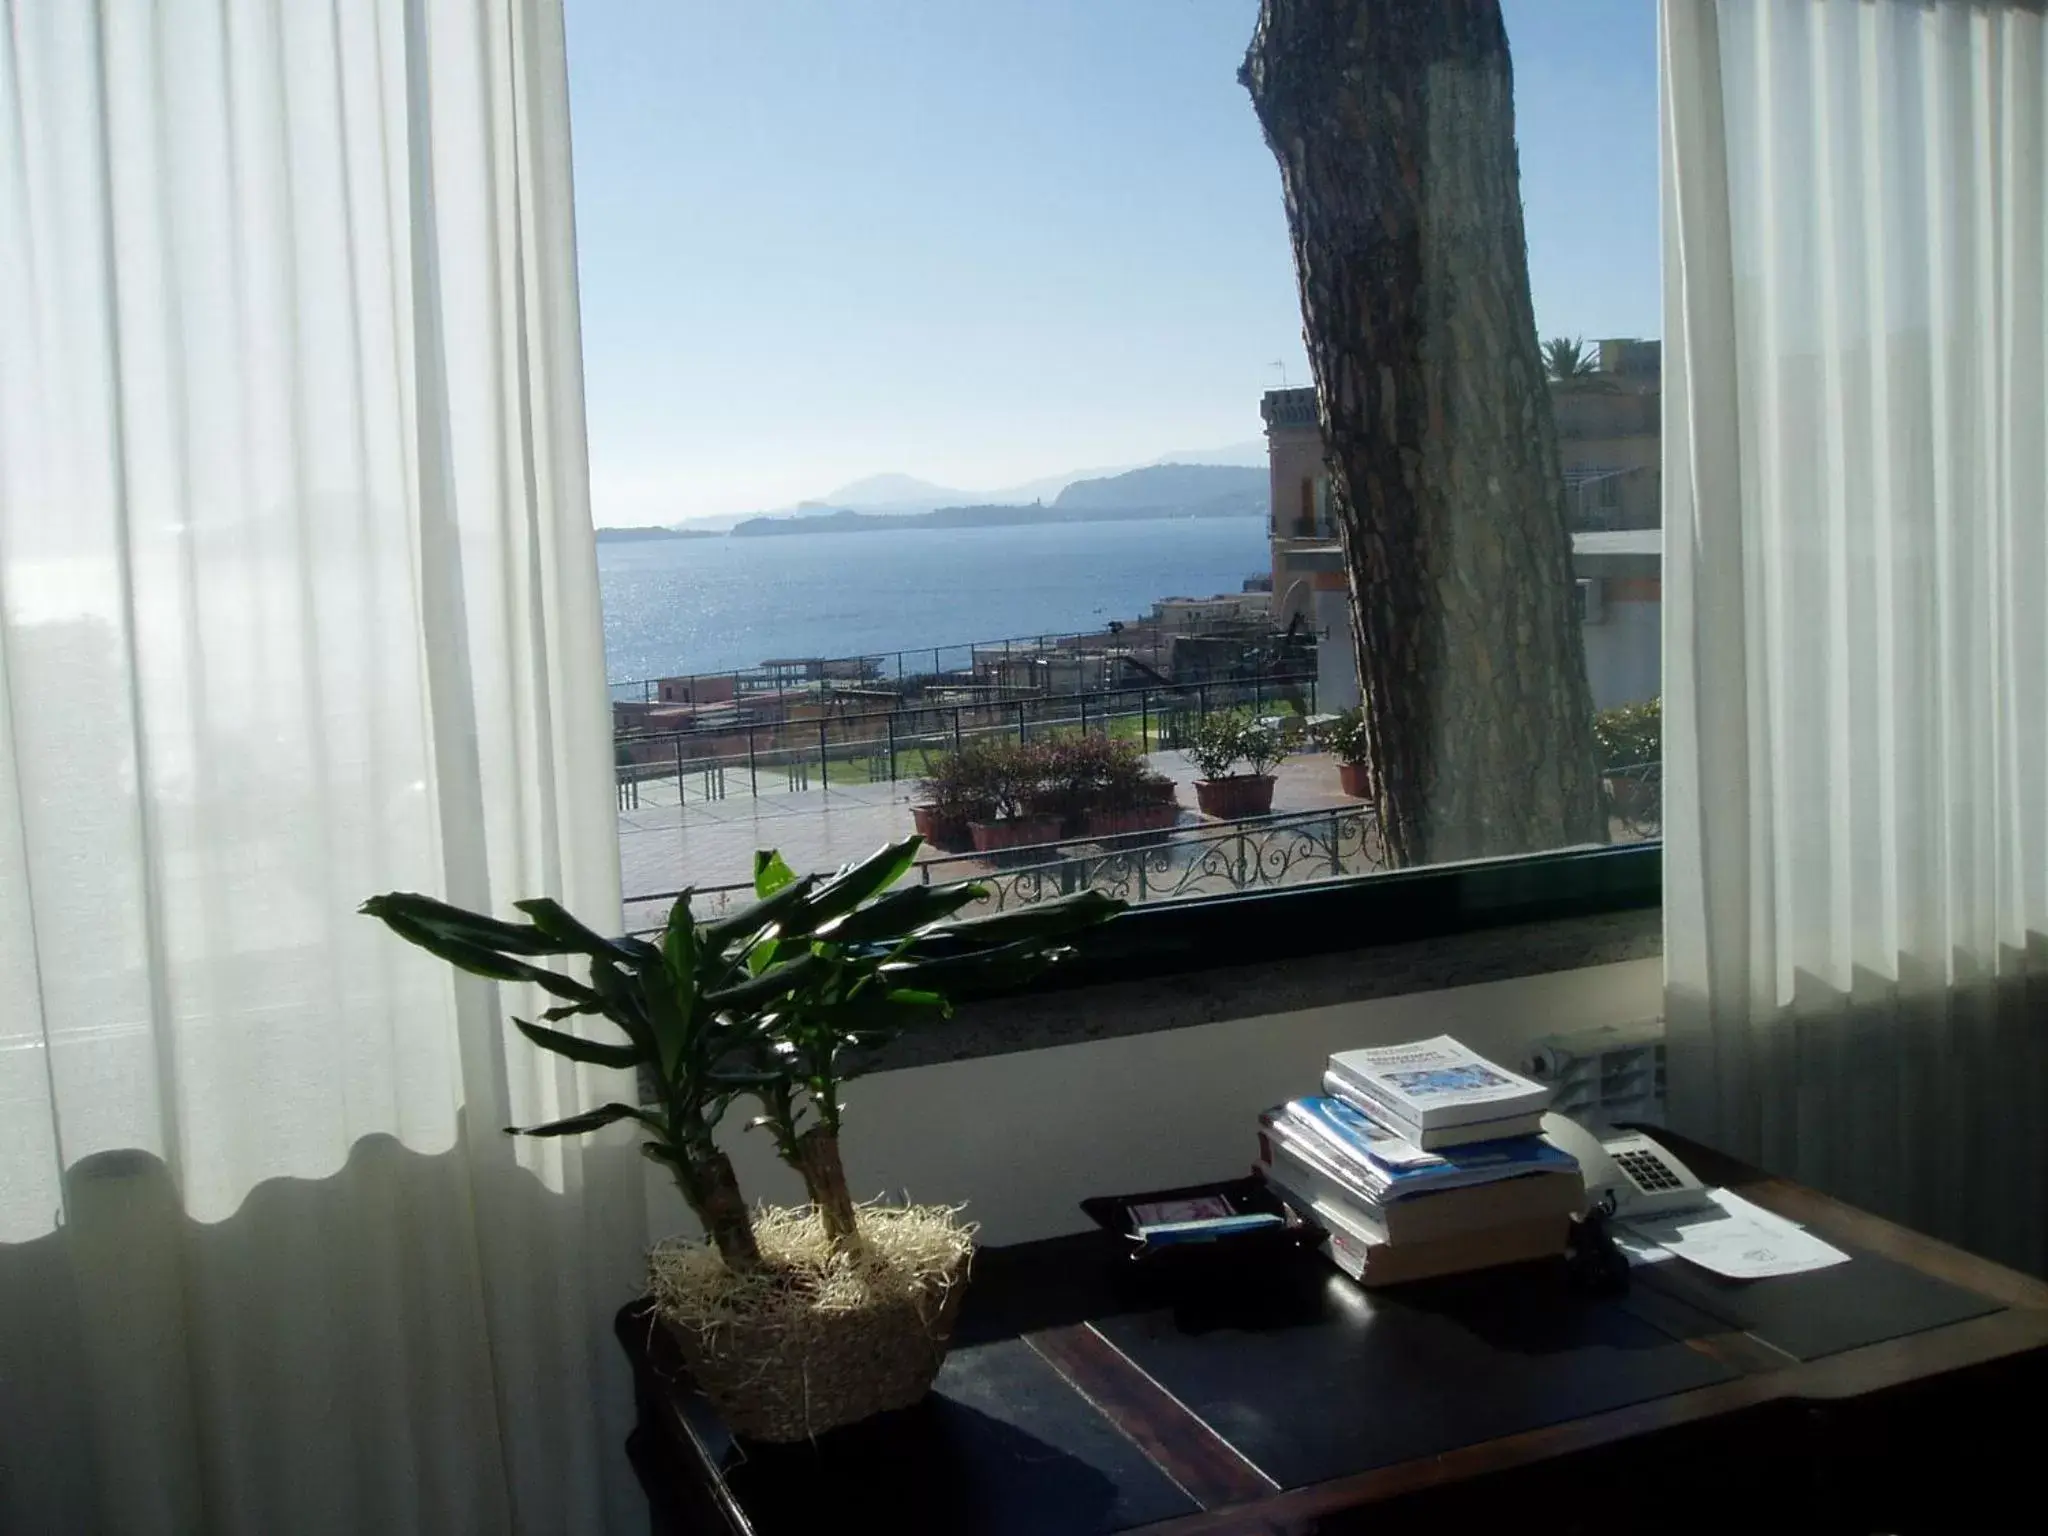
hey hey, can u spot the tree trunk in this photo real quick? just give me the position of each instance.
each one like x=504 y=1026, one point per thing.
x=825 y=1177
x=713 y=1192
x=1393 y=122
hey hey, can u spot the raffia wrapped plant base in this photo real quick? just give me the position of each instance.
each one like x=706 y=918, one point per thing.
x=818 y=1339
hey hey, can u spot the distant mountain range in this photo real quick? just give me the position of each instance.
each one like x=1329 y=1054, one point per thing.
x=1157 y=491
x=899 y=493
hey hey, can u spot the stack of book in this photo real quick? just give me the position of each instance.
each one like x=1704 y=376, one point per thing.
x=1420 y=1160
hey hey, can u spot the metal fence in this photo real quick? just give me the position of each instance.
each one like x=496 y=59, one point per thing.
x=1198 y=859
x=928 y=661
x=885 y=746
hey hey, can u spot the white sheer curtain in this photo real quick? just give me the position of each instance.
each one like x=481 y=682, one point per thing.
x=297 y=603
x=1856 y=644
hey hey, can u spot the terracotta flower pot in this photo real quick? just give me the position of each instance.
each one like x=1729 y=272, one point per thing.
x=940 y=830
x=1236 y=797
x=1014 y=832
x=1351 y=776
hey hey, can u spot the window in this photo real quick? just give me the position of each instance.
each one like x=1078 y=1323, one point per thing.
x=947 y=413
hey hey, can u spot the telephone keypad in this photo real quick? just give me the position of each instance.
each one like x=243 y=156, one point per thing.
x=1650 y=1172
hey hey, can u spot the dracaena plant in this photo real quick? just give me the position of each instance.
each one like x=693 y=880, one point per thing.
x=865 y=977
x=766 y=1002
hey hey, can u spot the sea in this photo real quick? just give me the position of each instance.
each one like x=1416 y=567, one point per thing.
x=678 y=606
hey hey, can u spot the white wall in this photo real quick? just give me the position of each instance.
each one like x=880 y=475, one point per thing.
x=1023 y=1138
x=1625 y=654
x=1336 y=658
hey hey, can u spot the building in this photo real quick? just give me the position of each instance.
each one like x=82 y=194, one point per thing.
x=1609 y=447
x=1309 y=584
x=1202 y=615
x=1620 y=574
x=1609 y=438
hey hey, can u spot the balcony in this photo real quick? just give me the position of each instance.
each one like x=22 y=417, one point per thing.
x=694 y=806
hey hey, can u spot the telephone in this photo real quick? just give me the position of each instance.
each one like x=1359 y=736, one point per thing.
x=1627 y=1175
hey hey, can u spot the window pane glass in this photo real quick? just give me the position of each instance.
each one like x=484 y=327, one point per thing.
x=957 y=452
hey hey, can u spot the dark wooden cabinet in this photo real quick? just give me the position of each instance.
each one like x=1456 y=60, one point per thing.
x=1895 y=1392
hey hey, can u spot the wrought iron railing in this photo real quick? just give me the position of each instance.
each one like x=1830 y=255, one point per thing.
x=1202 y=859
x=1199 y=859
x=1635 y=802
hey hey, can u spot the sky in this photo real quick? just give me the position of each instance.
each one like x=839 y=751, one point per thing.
x=984 y=241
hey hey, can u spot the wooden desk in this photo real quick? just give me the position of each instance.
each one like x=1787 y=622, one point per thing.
x=1896 y=1392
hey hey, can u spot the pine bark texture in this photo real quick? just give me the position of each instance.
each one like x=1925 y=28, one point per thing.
x=1393 y=123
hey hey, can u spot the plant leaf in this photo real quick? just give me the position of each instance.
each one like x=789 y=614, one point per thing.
x=598 y=1053
x=855 y=884
x=620 y=999
x=679 y=947
x=771 y=873
x=772 y=983
x=479 y=961
x=899 y=913
x=673 y=1002
x=450 y=922
x=589 y=1120
x=756 y=916
x=976 y=969
x=554 y=920
x=1058 y=918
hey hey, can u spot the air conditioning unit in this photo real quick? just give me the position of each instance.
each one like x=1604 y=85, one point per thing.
x=1592 y=600
x=1605 y=1077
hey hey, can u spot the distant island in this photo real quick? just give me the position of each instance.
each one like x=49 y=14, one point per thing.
x=1158 y=492
x=628 y=535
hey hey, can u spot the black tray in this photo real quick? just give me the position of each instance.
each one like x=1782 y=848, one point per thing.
x=1250 y=1194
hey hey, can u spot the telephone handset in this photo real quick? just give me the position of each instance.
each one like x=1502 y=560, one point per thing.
x=1627 y=1175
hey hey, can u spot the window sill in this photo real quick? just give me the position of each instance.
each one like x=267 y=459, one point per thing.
x=1158 y=969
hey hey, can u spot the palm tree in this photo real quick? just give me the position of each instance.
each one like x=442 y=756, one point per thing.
x=1568 y=360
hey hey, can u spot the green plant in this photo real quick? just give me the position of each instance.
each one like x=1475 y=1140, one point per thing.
x=1222 y=740
x=1629 y=735
x=1263 y=747
x=961 y=787
x=1212 y=743
x=1346 y=737
x=768 y=1003
x=1079 y=773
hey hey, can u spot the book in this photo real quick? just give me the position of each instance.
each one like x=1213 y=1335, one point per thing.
x=1289 y=1160
x=1395 y=1168
x=1366 y=1255
x=1443 y=1138
x=1428 y=1086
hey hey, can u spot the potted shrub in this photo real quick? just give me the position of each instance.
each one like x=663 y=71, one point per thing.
x=791 y=1321
x=1221 y=742
x=1345 y=740
x=1629 y=742
x=1017 y=809
x=1129 y=797
x=955 y=795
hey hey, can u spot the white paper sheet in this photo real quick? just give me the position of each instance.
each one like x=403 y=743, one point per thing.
x=1729 y=1236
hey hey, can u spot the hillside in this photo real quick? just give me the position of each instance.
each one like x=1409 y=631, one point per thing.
x=1187 y=486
